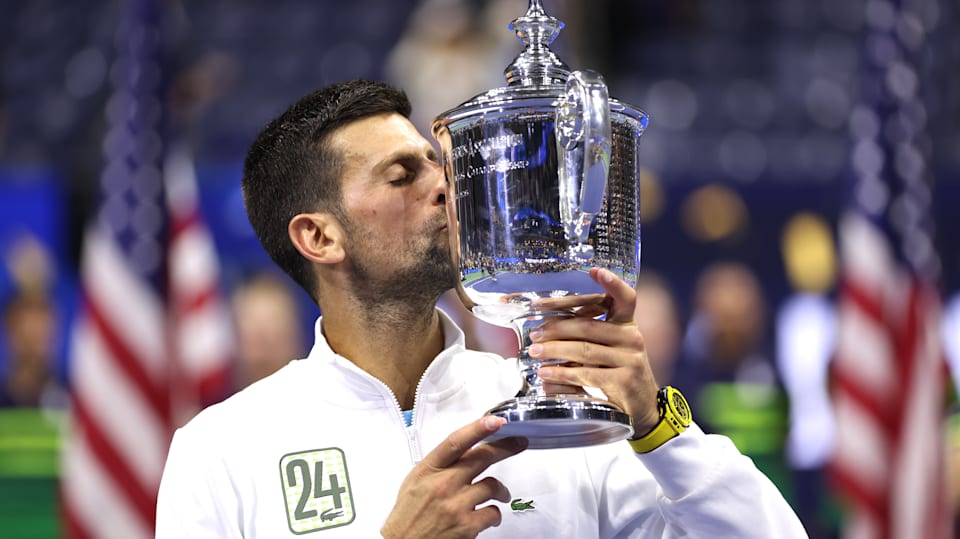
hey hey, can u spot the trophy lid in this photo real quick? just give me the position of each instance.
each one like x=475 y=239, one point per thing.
x=536 y=79
x=536 y=65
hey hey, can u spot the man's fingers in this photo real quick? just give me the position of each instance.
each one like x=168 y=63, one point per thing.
x=617 y=303
x=572 y=339
x=487 y=489
x=460 y=441
x=486 y=517
x=461 y=448
x=562 y=389
x=594 y=311
x=622 y=295
x=481 y=457
x=440 y=493
x=566 y=303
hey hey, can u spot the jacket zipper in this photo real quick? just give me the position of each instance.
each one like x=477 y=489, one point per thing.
x=411 y=432
x=412 y=445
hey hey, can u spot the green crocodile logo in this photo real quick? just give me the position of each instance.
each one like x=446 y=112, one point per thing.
x=330 y=514
x=520 y=506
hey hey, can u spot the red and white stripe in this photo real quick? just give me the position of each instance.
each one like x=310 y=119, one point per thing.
x=889 y=393
x=203 y=332
x=114 y=452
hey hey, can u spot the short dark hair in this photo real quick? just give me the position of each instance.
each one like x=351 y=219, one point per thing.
x=291 y=168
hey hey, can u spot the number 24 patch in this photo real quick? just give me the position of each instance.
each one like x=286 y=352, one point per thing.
x=316 y=490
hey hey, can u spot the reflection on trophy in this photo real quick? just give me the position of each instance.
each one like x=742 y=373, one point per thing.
x=544 y=178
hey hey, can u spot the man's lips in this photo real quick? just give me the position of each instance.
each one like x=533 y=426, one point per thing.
x=440 y=224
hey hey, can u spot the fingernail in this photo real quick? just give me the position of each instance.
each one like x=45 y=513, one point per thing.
x=545 y=372
x=536 y=334
x=492 y=422
x=535 y=350
x=606 y=276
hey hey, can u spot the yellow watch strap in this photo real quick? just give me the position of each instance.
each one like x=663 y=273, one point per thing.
x=661 y=434
x=672 y=422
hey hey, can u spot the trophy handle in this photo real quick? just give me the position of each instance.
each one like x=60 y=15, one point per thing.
x=583 y=145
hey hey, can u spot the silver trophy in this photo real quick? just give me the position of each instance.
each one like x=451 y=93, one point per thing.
x=544 y=177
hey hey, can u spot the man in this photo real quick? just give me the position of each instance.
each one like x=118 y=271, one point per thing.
x=349 y=200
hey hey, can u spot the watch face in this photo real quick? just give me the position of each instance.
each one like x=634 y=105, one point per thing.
x=680 y=407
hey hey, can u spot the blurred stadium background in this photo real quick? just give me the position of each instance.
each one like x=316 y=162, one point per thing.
x=756 y=111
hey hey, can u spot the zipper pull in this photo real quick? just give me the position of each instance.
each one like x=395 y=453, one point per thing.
x=412 y=444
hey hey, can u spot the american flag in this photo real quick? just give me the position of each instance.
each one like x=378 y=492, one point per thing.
x=153 y=334
x=200 y=321
x=889 y=372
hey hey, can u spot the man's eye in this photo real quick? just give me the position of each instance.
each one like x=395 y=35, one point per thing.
x=407 y=178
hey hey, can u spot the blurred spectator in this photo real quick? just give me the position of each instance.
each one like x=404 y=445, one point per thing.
x=805 y=335
x=29 y=322
x=268 y=327
x=806 y=326
x=30 y=325
x=451 y=51
x=726 y=367
x=656 y=316
x=728 y=327
x=32 y=403
x=202 y=83
x=30 y=264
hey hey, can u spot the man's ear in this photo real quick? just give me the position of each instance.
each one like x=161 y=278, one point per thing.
x=318 y=236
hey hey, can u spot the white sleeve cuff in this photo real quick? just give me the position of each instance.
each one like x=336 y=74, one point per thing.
x=687 y=462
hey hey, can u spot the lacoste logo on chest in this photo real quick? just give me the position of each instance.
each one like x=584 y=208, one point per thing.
x=519 y=506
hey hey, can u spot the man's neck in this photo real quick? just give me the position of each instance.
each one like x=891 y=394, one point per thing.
x=393 y=344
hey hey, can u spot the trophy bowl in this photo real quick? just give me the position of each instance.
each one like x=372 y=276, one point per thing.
x=544 y=187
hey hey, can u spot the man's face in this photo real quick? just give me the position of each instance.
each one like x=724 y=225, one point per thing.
x=394 y=194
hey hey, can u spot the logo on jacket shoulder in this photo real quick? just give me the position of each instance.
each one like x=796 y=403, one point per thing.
x=316 y=490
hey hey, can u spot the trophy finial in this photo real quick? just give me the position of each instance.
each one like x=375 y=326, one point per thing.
x=537 y=64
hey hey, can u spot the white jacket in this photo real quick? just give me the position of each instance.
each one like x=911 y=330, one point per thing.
x=322 y=446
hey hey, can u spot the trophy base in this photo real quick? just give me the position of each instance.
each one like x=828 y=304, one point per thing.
x=557 y=421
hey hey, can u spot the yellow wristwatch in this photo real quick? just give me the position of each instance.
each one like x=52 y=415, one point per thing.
x=675 y=417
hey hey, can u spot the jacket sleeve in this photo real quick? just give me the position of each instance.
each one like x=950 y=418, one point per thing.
x=196 y=498
x=703 y=487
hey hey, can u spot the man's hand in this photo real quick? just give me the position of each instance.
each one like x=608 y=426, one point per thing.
x=608 y=354
x=439 y=498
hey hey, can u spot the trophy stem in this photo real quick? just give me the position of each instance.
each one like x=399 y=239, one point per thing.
x=532 y=383
x=553 y=421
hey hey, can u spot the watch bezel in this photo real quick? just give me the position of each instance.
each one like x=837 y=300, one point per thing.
x=673 y=404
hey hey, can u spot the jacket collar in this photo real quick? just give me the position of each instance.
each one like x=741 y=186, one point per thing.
x=437 y=382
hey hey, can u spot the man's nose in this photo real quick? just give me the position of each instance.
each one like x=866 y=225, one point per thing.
x=438 y=183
